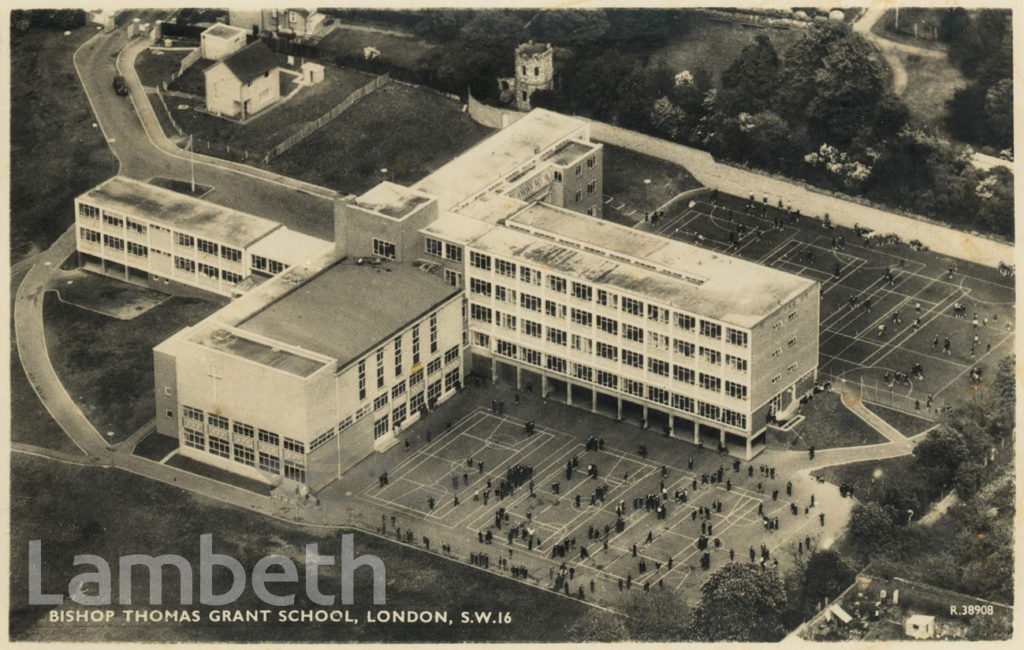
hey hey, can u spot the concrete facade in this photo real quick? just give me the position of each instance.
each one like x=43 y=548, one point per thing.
x=221 y=41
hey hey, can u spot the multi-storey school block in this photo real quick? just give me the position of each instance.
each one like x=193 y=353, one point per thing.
x=498 y=262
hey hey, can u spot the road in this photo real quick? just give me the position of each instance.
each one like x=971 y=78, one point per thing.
x=143 y=152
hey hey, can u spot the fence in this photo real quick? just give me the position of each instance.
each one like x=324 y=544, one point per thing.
x=874 y=391
x=192 y=57
x=317 y=124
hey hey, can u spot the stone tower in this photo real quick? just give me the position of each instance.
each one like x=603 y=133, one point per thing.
x=535 y=70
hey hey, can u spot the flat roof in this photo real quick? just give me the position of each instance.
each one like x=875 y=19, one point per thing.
x=179 y=211
x=491 y=160
x=457 y=228
x=392 y=200
x=569 y=151
x=290 y=247
x=349 y=308
x=220 y=30
x=231 y=341
x=730 y=290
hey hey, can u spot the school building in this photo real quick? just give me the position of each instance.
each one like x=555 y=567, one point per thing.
x=499 y=262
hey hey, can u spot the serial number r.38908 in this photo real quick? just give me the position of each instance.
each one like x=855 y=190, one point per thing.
x=970 y=610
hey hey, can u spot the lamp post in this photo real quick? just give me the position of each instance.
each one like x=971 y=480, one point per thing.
x=384 y=172
x=647 y=201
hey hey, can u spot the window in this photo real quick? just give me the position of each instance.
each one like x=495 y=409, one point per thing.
x=556 y=283
x=433 y=246
x=504 y=294
x=710 y=330
x=245 y=456
x=590 y=162
x=398 y=390
x=433 y=333
x=480 y=261
x=732 y=389
x=579 y=195
x=529 y=302
x=555 y=364
x=380 y=401
x=531 y=328
x=682 y=347
x=137 y=249
x=228 y=276
x=185 y=240
x=220 y=447
x=242 y=429
x=380 y=427
x=683 y=374
x=656 y=394
x=451 y=354
x=531 y=356
x=736 y=337
x=89 y=211
x=776 y=379
x=453 y=252
x=634 y=307
x=506 y=349
x=434 y=391
x=579 y=170
x=217 y=421
x=556 y=336
x=607 y=351
x=398 y=355
x=183 y=264
x=582 y=343
x=710 y=382
x=580 y=371
x=479 y=286
x=113 y=220
x=582 y=291
x=270 y=463
x=362 y=380
x=658 y=367
x=708 y=355
x=434 y=366
x=195 y=439
x=791 y=367
x=416 y=343
x=581 y=317
x=736 y=363
x=416 y=402
x=266 y=265
x=136 y=226
x=528 y=275
x=709 y=411
x=398 y=416
x=479 y=312
x=686 y=323
x=481 y=339
x=633 y=387
x=631 y=358
x=453 y=278
x=415 y=378
x=607 y=379
x=293 y=470
x=555 y=309
x=682 y=403
x=607 y=325
x=231 y=254
x=322 y=439
x=633 y=333
x=791 y=342
x=190 y=413
x=269 y=437
x=89 y=235
x=734 y=419
x=502 y=267
x=776 y=352
x=658 y=341
x=657 y=313
x=791 y=315
x=558 y=177
x=508 y=321
x=380 y=367
x=383 y=249
x=208 y=271
x=207 y=247
x=591 y=187
x=115 y=243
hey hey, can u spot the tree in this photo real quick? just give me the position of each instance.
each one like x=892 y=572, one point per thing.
x=941 y=453
x=749 y=82
x=667 y=118
x=740 y=602
x=599 y=626
x=997 y=127
x=569 y=26
x=872 y=528
x=826 y=575
x=657 y=615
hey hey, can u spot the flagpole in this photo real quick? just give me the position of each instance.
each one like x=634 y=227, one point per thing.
x=192 y=162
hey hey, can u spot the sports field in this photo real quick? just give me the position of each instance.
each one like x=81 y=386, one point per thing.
x=857 y=298
x=450 y=466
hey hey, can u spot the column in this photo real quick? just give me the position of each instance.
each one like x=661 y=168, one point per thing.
x=645 y=415
x=748 y=448
x=494 y=370
x=671 y=424
x=721 y=436
x=618 y=408
x=519 y=377
x=593 y=400
x=543 y=386
x=696 y=432
x=568 y=393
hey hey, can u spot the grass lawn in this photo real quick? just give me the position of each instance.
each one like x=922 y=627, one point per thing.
x=624 y=174
x=156 y=66
x=31 y=423
x=217 y=474
x=930 y=84
x=59 y=153
x=155 y=446
x=714 y=45
x=830 y=424
x=868 y=478
x=905 y=423
x=409 y=131
x=405 y=52
x=106 y=364
x=192 y=81
x=108 y=296
x=76 y=510
x=267 y=130
x=927 y=20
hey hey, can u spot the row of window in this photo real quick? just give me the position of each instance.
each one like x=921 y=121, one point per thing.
x=293 y=469
x=194 y=419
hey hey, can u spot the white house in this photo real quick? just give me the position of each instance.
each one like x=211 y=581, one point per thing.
x=919 y=626
x=244 y=83
x=221 y=41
